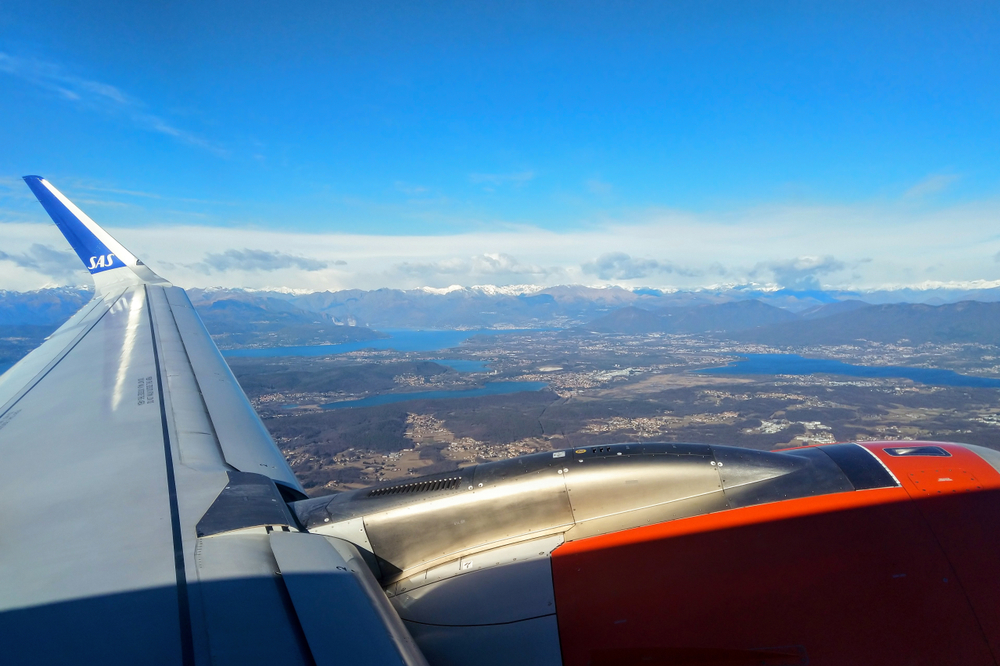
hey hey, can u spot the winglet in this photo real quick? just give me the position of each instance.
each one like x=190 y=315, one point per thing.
x=96 y=248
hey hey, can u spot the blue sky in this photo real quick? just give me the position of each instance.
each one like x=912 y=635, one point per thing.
x=408 y=144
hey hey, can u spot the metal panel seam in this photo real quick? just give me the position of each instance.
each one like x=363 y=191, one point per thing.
x=884 y=466
x=491 y=624
x=194 y=376
x=183 y=607
x=581 y=521
x=246 y=443
x=958 y=577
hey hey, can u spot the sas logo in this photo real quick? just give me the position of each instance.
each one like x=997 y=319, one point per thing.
x=102 y=261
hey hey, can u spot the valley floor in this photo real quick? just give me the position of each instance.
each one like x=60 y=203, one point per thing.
x=600 y=389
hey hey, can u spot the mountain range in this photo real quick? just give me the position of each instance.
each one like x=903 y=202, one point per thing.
x=916 y=323
x=253 y=318
x=45 y=307
x=840 y=323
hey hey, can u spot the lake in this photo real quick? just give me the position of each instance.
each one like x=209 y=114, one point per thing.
x=793 y=364
x=402 y=340
x=495 y=388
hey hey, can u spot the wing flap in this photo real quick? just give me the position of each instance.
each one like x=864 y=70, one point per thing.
x=245 y=604
x=343 y=611
x=246 y=444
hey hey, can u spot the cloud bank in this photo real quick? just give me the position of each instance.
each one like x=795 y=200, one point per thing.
x=801 y=273
x=258 y=260
x=497 y=267
x=620 y=266
x=615 y=266
x=794 y=247
x=59 y=265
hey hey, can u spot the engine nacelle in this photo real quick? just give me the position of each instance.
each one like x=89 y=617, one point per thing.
x=465 y=556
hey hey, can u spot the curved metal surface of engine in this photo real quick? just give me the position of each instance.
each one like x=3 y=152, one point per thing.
x=577 y=493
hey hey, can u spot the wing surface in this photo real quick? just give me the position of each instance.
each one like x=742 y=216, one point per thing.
x=141 y=496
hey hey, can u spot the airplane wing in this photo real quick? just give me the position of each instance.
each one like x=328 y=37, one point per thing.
x=144 y=505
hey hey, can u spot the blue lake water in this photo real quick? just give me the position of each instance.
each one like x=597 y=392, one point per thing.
x=403 y=340
x=793 y=364
x=496 y=388
x=4 y=367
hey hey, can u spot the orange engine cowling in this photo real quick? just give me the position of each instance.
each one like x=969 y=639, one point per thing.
x=900 y=575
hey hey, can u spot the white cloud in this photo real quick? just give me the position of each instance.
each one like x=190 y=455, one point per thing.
x=620 y=266
x=60 y=265
x=799 y=273
x=496 y=267
x=792 y=246
x=933 y=184
x=97 y=96
x=36 y=256
x=257 y=260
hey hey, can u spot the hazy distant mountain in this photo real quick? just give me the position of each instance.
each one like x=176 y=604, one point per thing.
x=27 y=318
x=487 y=307
x=45 y=307
x=930 y=296
x=717 y=318
x=845 y=322
x=236 y=318
x=333 y=314
x=629 y=320
x=474 y=307
x=575 y=305
x=968 y=321
x=829 y=309
x=734 y=316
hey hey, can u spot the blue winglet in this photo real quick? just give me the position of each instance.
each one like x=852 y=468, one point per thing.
x=96 y=248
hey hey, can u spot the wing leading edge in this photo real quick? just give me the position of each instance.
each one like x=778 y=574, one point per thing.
x=119 y=436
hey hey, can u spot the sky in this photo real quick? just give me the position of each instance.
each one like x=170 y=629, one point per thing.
x=684 y=144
